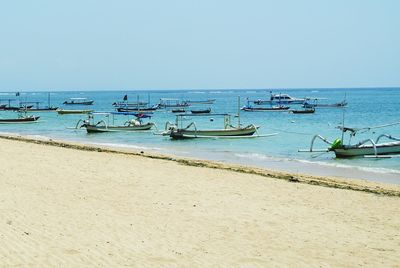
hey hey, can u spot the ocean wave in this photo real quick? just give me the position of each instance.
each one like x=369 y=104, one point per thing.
x=379 y=170
x=38 y=137
x=122 y=145
x=262 y=157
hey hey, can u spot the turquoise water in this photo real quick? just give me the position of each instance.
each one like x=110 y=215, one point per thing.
x=367 y=107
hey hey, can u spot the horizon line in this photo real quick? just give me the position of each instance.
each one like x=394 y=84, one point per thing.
x=207 y=89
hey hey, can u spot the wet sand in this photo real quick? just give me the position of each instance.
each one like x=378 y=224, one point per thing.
x=67 y=204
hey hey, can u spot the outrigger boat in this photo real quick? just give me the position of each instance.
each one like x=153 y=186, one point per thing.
x=178 y=131
x=63 y=111
x=368 y=148
x=206 y=111
x=78 y=101
x=36 y=108
x=280 y=108
x=124 y=104
x=304 y=111
x=315 y=104
x=9 y=107
x=15 y=108
x=105 y=125
x=178 y=110
x=275 y=108
x=209 y=101
x=19 y=120
x=171 y=103
x=33 y=106
x=136 y=109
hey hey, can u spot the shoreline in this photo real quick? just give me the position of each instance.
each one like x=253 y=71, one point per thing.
x=379 y=188
x=336 y=168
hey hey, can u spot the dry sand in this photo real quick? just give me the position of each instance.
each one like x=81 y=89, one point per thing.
x=71 y=208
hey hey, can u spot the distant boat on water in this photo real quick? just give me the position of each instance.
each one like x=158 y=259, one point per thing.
x=9 y=107
x=316 y=104
x=19 y=120
x=279 y=108
x=204 y=111
x=280 y=99
x=63 y=111
x=136 y=109
x=209 y=101
x=171 y=103
x=78 y=101
x=304 y=111
x=178 y=110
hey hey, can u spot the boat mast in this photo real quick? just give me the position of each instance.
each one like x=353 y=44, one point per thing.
x=343 y=127
x=238 y=112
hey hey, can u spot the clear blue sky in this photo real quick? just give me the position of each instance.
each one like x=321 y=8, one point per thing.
x=95 y=44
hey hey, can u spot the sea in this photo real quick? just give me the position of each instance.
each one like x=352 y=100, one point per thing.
x=375 y=110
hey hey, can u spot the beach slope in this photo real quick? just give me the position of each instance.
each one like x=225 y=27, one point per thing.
x=68 y=207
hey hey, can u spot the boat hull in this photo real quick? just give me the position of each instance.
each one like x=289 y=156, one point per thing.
x=74 y=111
x=207 y=111
x=78 y=102
x=53 y=109
x=185 y=134
x=272 y=109
x=30 y=119
x=99 y=129
x=303 y=111
x=211 y=101
x=382 y=149
x=278 y=102
x=135 y=109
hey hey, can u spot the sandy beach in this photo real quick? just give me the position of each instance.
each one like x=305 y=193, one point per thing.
x=63 y=206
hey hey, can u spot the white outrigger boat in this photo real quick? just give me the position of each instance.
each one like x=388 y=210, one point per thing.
x=20 y=119
x=178 y=131
x=135 y=124
x=368 y=148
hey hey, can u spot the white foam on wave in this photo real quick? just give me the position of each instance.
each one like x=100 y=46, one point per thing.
x=122 y=145
x=361 y=168
x=38 y=137
x=10 y=133
x=262 y=157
